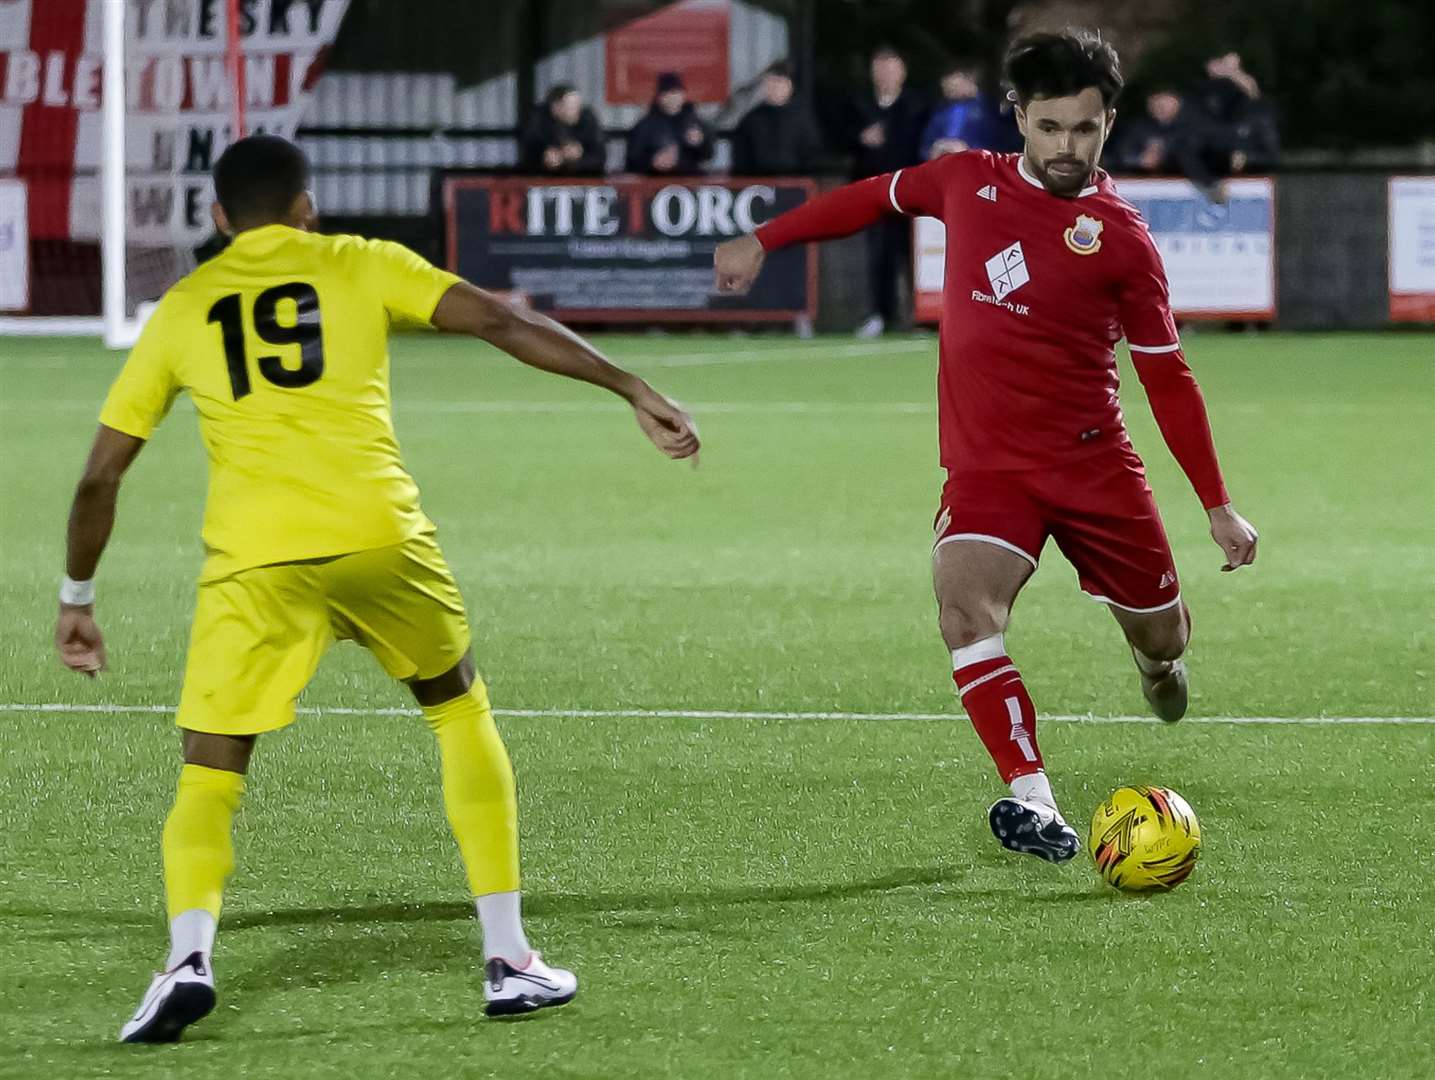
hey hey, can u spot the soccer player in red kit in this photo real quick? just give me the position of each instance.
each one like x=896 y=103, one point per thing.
x=1046 y=269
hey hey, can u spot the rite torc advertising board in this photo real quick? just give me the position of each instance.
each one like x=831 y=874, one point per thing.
x=1219 y=256
x=1412 y=249
x=626 y=250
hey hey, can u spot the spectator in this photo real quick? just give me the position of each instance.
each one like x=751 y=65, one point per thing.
x=1243 y=130
x=886 y=128
x=778 y=137
x=962 y=121
x=671 y=140
x=563 y=137
x=1169 y=140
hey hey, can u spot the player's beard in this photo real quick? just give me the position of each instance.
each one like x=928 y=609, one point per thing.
x=1062 y=181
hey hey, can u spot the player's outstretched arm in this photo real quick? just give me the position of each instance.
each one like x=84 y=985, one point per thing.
x=92 y=517
x=540 y=342
x=838 y=213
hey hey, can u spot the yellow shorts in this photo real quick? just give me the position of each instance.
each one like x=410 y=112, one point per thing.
x=259 y=634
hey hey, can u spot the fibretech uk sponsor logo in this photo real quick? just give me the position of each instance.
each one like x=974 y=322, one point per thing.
x=988 y=298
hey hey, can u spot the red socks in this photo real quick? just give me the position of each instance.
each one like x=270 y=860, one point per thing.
x=1001 y=710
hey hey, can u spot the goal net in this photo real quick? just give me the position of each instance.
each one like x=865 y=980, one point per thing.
x=112 y=113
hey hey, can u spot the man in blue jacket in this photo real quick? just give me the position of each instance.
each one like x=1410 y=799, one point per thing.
x=962 y=121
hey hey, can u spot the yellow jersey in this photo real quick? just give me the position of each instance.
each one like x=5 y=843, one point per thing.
x=281 y=342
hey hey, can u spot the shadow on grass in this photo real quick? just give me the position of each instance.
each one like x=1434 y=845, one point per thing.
x=666 y=900
x=951 y=882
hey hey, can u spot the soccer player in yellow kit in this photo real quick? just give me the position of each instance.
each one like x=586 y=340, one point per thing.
x=314 y=534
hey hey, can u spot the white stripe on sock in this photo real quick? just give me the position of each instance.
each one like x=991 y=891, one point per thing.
x=988 y=648
x=1007 y=669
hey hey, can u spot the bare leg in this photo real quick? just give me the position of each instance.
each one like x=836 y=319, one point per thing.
x=1160 y=636
x=230 y=753
x=453 y=682
x=976 y=583
x=1158 y=640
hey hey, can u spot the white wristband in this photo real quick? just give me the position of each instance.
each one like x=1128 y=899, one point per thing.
x=77 y=593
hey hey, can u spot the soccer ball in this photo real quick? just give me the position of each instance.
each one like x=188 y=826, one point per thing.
x=1145 y=839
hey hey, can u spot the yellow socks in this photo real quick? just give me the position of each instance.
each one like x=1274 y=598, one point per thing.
x=198 y=848
x=478 y=790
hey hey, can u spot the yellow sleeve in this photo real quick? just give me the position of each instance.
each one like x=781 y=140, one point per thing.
x=147 y=385
x=409 y=285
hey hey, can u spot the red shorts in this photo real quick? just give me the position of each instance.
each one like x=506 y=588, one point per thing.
x=1099 y=511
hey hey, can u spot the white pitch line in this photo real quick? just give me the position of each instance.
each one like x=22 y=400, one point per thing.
x=724 y=714
x=697 y=408
x=788 y=352
x=542 y=408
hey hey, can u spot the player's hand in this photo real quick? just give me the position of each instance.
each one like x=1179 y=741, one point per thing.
x=79 y=641
x=667 y=425
x=737 y=262
x=946 y=146
x=873 y=136
x=1235 y=536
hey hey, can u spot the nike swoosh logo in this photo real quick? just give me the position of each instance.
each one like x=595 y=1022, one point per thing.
x=536 y=980
x=152 y=1000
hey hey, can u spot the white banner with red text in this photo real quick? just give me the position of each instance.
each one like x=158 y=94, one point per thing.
x=1219 y=256
x=180 y=103
x=1412 y=249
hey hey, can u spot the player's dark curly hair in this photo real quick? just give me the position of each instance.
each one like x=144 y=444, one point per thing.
x=258 y=178
x=1059 y=65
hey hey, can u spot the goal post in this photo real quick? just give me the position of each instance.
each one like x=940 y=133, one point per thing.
x=119 y=328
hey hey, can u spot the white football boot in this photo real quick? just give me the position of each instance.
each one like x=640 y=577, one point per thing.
x=1033 y=828
x=175 y=999
x=512 y=991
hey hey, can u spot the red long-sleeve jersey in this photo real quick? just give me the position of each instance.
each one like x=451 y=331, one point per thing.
x=1038 y=291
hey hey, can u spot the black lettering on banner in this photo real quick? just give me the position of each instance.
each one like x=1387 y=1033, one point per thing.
x=305 y=332
x=199 y=158
x=194 y=205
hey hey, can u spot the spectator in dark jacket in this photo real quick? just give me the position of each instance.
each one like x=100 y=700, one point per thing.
x=886 y=128
x=886 y=121
x=1243 y=132
x=778 y=137
x=1168 y=140
x=671 y=140
x=563 y=137
x=962 y=121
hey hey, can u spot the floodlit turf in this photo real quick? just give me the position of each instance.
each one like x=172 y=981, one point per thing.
x=744 y=897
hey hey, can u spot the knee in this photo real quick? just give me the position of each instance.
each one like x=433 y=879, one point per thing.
x=226 y=753
x=453 y=683
x=1161 y=641
x=964 y=623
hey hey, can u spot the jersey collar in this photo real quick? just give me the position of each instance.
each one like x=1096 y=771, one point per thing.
x=1021 y=168
x=276 y=228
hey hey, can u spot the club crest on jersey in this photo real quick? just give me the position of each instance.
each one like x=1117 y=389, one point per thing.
x=1084 y=237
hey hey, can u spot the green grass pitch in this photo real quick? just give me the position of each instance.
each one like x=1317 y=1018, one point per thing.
x=746 y=897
